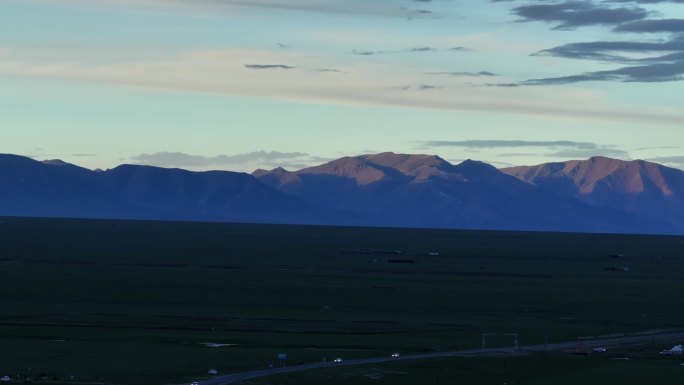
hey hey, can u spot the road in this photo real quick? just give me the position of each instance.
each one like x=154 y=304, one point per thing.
x=583 y=344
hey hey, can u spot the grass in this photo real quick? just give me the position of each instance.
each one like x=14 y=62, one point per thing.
x=131 y=302
x=537 y=369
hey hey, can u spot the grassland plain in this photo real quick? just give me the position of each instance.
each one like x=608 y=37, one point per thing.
x=537 y=369
x=129 y=302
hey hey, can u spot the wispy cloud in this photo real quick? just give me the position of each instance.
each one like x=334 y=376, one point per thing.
x=583 y=153
x=666 y=65
x=552 y=149
x=645 y=1
x=671 y=161
x=652 y=26
x=268 y=66
x=287 y=67
x=389 y=8
x=642 y=61
x=420 y=87
x=326 y=78
x=616 y=51
x=360 y=7
x=224 y=71
x=463 y=73
x=649 y=73
x=657 y=148
x=508 y=144
x=422 y=49
x=573 y=14
x=238 y=162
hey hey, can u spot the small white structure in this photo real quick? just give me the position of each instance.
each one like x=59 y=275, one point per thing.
x=5 y=379
x=671 y=352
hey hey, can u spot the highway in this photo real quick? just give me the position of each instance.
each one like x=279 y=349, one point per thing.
x=580 y=344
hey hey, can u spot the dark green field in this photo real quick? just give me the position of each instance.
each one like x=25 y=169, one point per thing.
x=551 y=369
x=132 y=302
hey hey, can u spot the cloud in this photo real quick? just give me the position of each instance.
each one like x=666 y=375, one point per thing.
x=428 y=87
x=502 y=85
x=558 y=148
x=243 y=162
x=327 y=70
x=588 y=153
x=670 y=161
x=573 y=14
x=268 y=66
x=657 y=148
x=420 y=49
x=391 y=8
x=223 y=72
x=652 y=26
x=615 y=50
x=646 y=1
x=419 y=87
x=649 y=73
x=660 y=61
x=480 y=144
x=287 y=67
x=642 y=61
x=463 y=73
x=413 y=13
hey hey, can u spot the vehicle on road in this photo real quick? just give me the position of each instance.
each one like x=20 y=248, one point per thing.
x=599 y=350
x=338 y=360
x=396 y=355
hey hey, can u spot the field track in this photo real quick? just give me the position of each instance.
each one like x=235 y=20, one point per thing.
x=585 y=345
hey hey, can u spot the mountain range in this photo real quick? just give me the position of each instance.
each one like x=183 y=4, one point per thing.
x=394 y=190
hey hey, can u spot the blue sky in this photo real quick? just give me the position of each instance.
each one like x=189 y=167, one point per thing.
x=240 y=85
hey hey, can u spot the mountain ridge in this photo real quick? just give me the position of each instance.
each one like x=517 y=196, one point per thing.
x=54 y=189
x=648 y=189
x=385 y=189
x=471 y=194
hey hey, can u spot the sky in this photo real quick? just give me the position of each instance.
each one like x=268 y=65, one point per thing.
x=245 y=84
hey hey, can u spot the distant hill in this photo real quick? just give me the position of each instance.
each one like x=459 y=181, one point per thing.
x=427 y=191
x=648 y=189
x=387 y=189
x=58 y=189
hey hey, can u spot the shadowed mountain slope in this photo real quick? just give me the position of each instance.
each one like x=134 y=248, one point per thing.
x=58 y=189
x=648 y=189
x=397 y=190
x=427 y=191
